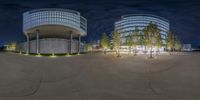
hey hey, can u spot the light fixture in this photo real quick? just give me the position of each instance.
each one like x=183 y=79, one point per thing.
x=38 y=55
x=53 y=55
x=68 y=55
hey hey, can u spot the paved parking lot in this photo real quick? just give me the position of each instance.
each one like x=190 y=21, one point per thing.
x=100 y=77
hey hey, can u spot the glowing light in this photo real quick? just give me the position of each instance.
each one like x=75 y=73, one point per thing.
x=68 y=55
x=78 y=54
x=38 y=55
x=53 y=55
x=26 y=54
x=140 y=50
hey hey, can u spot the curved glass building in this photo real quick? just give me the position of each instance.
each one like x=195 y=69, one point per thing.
x=127 y=24
x=53 y=30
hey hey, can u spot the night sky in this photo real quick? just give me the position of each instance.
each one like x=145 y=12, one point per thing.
x=184 y=15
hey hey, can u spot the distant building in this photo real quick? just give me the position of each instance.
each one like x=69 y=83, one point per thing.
x=186 y=47
x=53 y=30
x=127 y=24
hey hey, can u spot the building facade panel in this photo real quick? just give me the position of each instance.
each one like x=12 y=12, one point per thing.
x=50 y=46
x=48 y=16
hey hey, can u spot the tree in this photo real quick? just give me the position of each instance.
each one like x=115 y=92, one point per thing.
x=116 y=42
x=177 y=44
x=169 y=42
x=135 y=40
x=159 y=42
x=88 y=47
x=105 y=43
x=150 y=33
x=142 y=42
x=144 y=39
x=129 y=42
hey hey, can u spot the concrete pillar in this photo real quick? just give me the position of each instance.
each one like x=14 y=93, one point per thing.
x=71 y=39
x=27 y=44
x=79 y=44
x=37 y=42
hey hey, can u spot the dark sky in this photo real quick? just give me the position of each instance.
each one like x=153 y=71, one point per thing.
x=184 y=15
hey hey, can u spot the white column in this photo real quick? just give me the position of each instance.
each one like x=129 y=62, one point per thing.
x=79 y=43
x=37 y=42
x=27 y=44
x=71 y=39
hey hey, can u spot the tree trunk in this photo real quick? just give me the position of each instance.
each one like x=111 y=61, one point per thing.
x=135 y=51
x=170 y=52
x=118 y=53
x=145 y=49
x=129 y=52
x=104 y=51
x=92 y=51
x=151 y=56
x=157 y=51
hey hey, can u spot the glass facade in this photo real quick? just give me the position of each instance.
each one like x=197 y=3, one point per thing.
x=53 y=16
x=128 y=23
